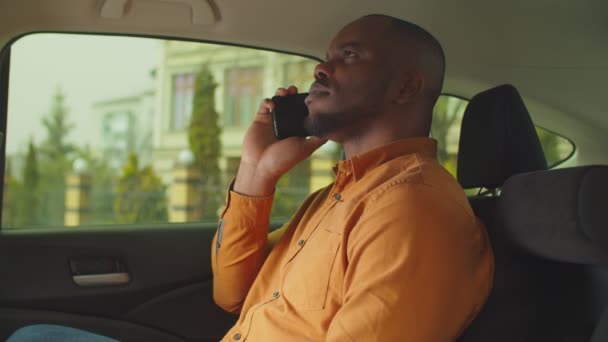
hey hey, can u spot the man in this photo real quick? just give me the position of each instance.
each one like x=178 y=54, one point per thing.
x=391 y=251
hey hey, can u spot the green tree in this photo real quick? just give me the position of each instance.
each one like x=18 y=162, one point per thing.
x=103 y=179
x=204 y=138
x=446 y=113
x=56 y=155
x=55 y=145
x=11 y=189
x=555 y=147
x=27 y=210
x=140 y=195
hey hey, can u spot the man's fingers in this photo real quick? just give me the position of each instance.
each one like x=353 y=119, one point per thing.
x=291 y=90
x=263 y=114
x=266 y=106
x=281 y=92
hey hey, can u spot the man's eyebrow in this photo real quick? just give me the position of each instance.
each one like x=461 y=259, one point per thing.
x=347 y=45
x=351 y=45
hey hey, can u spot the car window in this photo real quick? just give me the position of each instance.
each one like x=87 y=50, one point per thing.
x=110 y=130
x=445 y=128
x=556 y=147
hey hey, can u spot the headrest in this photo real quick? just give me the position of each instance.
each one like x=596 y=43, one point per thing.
x=497 y=139
x=559 y=214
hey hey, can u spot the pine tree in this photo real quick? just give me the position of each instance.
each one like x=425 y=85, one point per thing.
x=27 y=197
x=10 y=190
x=104 y=177
x=55 y=146
x=204 y=139
x=56 y=160
x=140 y=195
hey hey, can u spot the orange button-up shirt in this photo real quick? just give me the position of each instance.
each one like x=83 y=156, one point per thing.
x=391 y=251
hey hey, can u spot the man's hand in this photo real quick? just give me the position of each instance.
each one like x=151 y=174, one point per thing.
x=265 y=158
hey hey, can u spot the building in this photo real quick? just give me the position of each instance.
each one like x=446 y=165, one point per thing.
x=127 y=125
x=244 y=77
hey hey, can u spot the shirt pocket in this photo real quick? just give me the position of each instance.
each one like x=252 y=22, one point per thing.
x=307 y=275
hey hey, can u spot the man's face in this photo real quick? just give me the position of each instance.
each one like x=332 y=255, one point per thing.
x=351 y=85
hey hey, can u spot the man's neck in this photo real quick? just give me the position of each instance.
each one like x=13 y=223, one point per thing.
x=385 y=128
x=374 y=139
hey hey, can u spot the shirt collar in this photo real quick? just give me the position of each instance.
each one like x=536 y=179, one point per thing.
x=361 y=164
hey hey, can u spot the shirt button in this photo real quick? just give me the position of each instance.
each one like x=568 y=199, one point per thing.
x=301 y=243
x=236 y=337
x=338 y=197
x=275 y=294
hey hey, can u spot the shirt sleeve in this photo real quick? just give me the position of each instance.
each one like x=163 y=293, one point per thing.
x=420 y=268
x=239 y=248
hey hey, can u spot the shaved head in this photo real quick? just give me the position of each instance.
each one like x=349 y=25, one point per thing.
x=381 y=77
x=418 y=47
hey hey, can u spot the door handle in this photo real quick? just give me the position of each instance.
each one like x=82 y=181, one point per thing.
x=99 y=280
x=99 y=271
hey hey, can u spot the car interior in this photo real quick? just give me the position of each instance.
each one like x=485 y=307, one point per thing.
x=519 y=68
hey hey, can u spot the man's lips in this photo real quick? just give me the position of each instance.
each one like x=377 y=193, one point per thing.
x=316 y=91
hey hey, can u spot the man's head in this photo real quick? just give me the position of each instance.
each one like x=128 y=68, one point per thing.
x=377 y=68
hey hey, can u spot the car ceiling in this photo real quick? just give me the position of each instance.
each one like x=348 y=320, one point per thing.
x=554 y=51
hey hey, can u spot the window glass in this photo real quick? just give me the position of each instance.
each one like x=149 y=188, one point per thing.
x=445 y=128
x=118 y=130
x=245 y=91
x=108 y=130
x=183 y=92
x=557 y=148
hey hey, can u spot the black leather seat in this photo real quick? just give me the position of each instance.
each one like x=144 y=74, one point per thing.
x=544 y=227
x=498 y=140
x=557 y=219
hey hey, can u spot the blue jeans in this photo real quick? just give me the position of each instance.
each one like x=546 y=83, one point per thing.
x=55 y=333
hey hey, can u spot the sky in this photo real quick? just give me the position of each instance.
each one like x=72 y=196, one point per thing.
x=87 y=68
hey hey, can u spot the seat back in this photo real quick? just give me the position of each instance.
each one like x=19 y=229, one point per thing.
x=550 y=249
x=498 y=140
x=556 y=220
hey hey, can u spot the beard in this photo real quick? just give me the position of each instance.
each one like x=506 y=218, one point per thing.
x=342 y=116
x=323 y=124
x=340 y=124
x=333 y=124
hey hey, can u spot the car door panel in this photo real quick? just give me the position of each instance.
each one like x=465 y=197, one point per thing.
x=170 y=287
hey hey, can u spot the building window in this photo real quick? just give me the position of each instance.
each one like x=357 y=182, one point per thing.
x=117 y=137
x=244 y=92
x=300 y=74
x=183 y=93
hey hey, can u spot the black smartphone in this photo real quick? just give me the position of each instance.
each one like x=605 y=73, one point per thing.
x=289 y=115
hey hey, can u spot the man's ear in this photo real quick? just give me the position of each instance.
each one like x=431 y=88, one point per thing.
x=411 y=86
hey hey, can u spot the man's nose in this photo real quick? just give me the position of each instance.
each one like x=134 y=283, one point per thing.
x=322 y=70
